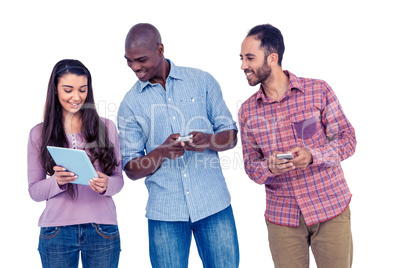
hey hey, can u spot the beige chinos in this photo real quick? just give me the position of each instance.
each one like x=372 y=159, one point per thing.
x=330 y=241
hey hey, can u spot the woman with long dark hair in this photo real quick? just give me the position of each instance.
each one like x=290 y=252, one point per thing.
x=77 y=218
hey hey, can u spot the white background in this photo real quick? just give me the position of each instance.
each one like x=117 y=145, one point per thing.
x=354 y=45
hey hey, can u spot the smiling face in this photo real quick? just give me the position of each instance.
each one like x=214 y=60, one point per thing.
x=146 y=63
x=254 y=61
x=72 y=91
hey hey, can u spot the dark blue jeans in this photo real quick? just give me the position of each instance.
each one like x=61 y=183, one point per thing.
x=215 y=236
x=99 y=244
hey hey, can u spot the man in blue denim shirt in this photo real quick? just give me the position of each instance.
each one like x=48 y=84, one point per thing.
x=187 y=191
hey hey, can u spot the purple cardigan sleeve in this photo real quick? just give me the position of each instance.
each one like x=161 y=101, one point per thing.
x=40 y=187
x=116 y=181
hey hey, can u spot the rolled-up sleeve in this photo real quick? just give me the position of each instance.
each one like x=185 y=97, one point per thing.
x=218 y=112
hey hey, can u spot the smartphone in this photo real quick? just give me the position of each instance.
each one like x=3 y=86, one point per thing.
x=285 y=156
x=185 y=138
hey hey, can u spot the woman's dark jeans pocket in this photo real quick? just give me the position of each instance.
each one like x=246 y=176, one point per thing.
x=49 y=232
x=107 y=231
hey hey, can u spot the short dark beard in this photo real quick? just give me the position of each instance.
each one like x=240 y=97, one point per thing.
x=264 y=72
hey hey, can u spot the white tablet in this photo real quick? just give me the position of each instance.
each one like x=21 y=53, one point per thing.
x=76 y=161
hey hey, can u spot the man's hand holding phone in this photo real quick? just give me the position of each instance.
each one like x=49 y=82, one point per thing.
x=279 y=165
x=196 y=141
x=303 y=157
x=296 y=158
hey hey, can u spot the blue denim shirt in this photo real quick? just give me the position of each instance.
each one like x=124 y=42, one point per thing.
x=192 y=186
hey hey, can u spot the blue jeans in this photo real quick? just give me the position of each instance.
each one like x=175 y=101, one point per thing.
x=215 y=236
x=59 y=247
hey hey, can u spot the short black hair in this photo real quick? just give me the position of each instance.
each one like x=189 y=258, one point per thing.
x=271 y=39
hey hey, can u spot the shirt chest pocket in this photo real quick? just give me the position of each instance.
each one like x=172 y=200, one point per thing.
x=306 y=123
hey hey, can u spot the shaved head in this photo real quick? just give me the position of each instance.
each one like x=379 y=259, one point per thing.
x=144 y=54
x=143 y=35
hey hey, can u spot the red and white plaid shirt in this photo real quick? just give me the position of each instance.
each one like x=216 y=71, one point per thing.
x=310 y=116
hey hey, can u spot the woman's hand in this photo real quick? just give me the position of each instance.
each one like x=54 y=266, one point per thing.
x=62 y=176
x=99 y=184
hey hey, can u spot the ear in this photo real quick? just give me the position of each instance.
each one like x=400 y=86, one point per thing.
x=160 y=49
x=272 y=59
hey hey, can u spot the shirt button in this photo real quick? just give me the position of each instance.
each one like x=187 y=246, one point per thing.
x=174 y=117
x=169 y=99
x=188 y=192
x=185 y=175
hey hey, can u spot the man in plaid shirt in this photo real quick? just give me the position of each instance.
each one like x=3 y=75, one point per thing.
x=307 y=196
